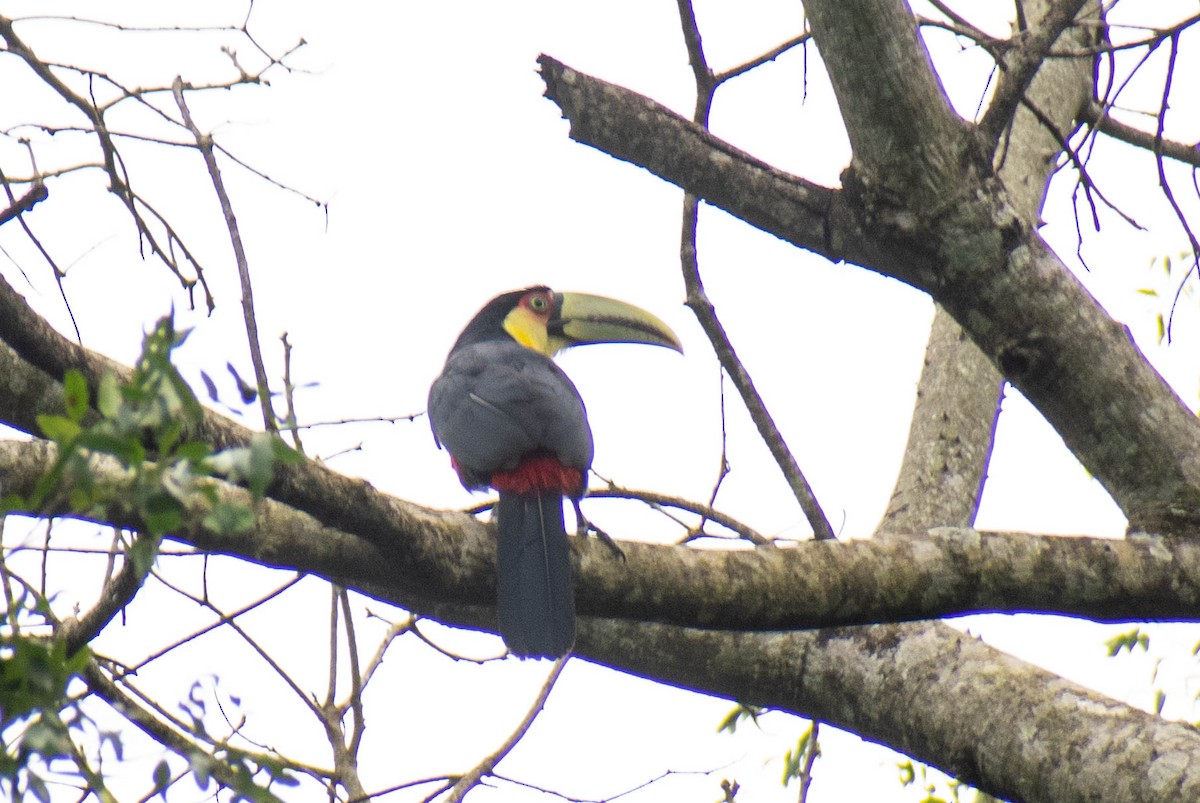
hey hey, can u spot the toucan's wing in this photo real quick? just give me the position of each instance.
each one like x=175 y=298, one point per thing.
x=497 y=401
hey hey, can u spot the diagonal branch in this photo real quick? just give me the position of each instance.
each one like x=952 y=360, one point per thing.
x=204 y=144
x=1099 y=118
x=19 y=206
x=705 y=312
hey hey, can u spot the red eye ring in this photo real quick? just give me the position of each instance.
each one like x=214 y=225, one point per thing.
x=538 y=303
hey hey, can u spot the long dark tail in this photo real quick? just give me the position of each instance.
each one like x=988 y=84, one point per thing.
x=535 y=601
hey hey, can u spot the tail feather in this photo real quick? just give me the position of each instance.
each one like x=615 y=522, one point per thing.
x=535 y=601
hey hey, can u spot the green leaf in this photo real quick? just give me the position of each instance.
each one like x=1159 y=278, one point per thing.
x=193 y=451
x=739 y=712
x=163 y=520
x=58 y=428
x=142 y=554
x=262 y=463
x=128 y=449
x=108 y=397
x=285 y=454
x=76 y=391
x=162 y=776
x=80 y=500
x=1127 y=641
x=226 y=519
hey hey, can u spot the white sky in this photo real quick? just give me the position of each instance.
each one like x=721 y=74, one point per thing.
x=449 y=179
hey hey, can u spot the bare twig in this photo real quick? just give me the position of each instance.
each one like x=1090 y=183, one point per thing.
x=289 y=395
x=812 y=750
x=1085 y=178
x=758 y=61
x=172 y=736
x=1165 y=185
x=222 y=619
x=697 y=299
x=485 y=767
x=119 y=182
x=706 y=512
x=15 y=206
x=394 y=631
x=204 y=145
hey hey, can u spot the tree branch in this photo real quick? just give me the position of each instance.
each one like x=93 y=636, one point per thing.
x=1021 y=64
x=979 y=259
x=898 y=577
x=1099 y=118
x=992 y=720
x=19 y=206
x=204 y=144
x=907 y=141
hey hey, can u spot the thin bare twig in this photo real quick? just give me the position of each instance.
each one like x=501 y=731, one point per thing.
x=175 y=740
x=706 y=512
x=469 y=780
x=1165 y=185
x=114 y=166
x=289 y=395
x=204 y=145
x=758 y=61
x=702 y=307
x=116 y=594
x=16 y=207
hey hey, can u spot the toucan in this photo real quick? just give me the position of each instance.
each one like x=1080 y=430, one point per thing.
x=513 y=421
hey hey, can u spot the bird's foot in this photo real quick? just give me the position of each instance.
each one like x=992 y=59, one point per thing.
x=585 y=528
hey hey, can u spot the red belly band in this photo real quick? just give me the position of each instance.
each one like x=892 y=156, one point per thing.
x=537 y=473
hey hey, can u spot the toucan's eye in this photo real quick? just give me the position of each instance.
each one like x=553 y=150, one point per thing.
x=539 y=303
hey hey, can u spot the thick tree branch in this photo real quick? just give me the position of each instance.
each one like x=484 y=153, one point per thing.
x=950 y=438
x=850 y=677
x=899 y=577
x=992 y=720
x=349 y=505
x=907 y=141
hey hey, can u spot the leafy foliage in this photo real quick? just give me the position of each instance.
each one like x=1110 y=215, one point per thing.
x=142 y=424
x=37 y=713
